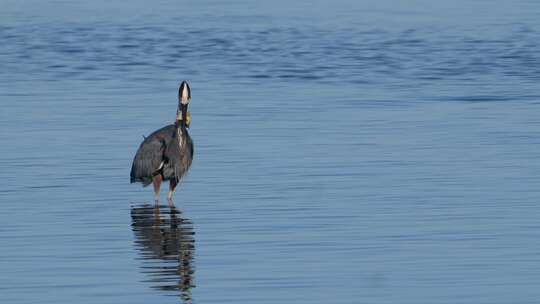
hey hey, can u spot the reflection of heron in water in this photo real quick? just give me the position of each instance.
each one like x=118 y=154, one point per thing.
x=162 y=235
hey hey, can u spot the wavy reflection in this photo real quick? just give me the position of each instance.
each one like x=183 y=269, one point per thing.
x=166 y=243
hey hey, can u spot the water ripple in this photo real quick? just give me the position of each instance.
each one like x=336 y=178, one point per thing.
x=166 y=244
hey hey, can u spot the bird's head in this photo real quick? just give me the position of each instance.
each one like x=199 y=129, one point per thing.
x=184 y=96
x=184 y=93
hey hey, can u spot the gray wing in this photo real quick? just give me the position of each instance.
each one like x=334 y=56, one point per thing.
x=179 y=154
x=149 y=158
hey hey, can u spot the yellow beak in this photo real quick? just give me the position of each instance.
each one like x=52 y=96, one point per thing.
x=188 y=118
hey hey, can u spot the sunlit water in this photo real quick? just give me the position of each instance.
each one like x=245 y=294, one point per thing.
x=350 y=152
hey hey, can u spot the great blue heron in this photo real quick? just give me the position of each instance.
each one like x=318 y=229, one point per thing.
x=167 y=153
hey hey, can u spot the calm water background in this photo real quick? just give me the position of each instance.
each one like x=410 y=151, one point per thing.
x=349 y=152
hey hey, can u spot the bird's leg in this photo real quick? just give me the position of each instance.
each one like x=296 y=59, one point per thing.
x=156 y=180
x=172 y=185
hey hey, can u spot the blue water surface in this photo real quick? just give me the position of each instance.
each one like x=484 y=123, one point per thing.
x=345 y=151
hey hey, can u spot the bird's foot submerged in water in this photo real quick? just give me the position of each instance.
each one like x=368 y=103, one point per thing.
x=172 y=186
x=170 y=199
x=156 y=180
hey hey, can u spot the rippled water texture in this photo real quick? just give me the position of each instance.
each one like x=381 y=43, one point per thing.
x=162 y=234
x=345 y=152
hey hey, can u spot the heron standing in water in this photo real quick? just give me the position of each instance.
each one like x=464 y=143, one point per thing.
x=167 y=153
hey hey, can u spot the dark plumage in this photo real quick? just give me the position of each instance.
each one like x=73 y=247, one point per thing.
x=169 y=145
x=167 y=153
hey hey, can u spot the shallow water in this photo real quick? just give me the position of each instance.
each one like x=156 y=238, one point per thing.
x=344 y=153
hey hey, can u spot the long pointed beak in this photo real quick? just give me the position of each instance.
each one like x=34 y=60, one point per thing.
x=183 y=115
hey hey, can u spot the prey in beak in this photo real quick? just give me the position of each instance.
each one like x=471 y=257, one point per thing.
x=179 y=119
